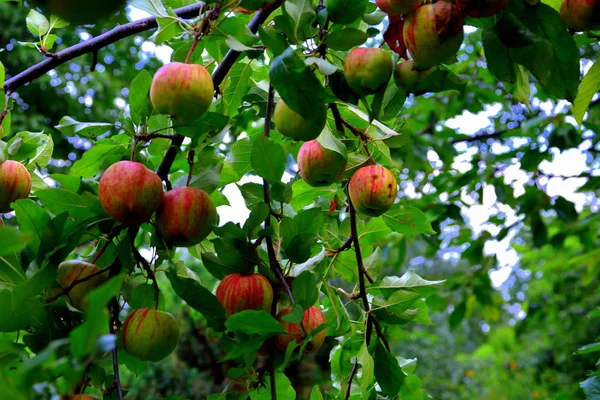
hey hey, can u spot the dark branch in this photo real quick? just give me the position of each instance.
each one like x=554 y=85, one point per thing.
x=351 y=378
x=483 y=136
x=150 y=136
x=114 y=323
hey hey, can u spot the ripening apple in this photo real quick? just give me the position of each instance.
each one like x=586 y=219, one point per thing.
x=313 y=318
x=581 y=15
x=74 y=270
x=433 y=33
x=185 y=91
x=186 y=216
x=79 y=397
x=398 y=7
x=319 y=166
x=80 y=11
x=295 y=126
x=368 y=70
x=129 y=192
x=373 y=190
x=149 y=334
x=245 y=292
x=408 y=78
x=15 y=183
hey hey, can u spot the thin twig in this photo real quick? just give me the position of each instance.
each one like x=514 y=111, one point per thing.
x=113 y=324
x=146 y=266
x=113 y=234
x=351 y=378
x=150 y=136
x=66 y=290
x=190 y=160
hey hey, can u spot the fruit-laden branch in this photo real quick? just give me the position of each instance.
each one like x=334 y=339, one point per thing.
x=92 y=46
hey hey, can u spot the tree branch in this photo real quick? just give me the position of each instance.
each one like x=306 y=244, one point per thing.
x=114 y=322
x=92 y=46
x=483 y=136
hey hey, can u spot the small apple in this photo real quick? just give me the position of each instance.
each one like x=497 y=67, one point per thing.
x=295 y=126
x=15 y=183
x=245 y=292
x=129 y=192
x=398 y=7
x=80 y=11
x=319 y=166
x=433 y=33
x=368 y=70
x=313 y=318
x=149 y=334
x=74 y=270
x=408 y=78
x=581 y=15
x=373 y=190
x=184 y=91
x=186 y=216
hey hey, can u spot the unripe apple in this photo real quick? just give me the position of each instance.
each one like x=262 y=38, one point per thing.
x=398 y=7
x=373 y=190
x=129 y=192
x=433 y=33
x=581 y=15
x=368 y=70
x=186 y=216
x=295 y=126
x=184 y=91
x=149 y=334
x=74 y=270
x=80 y=11
x=408 y=78
x=313 y=318
x=319 y=166
x=15 y=183
x=245 y=292
x=481 y=8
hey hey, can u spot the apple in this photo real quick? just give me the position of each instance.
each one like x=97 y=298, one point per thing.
x=481 y=8
x=320 y=166
x=313 y=318
x=80 y=11
x=245 y=292
x=295 y=126
x=15 y=183
x=408 y=78
x=74 y=270
x=185 y=91
x=129 y=192
x=186 y=216
x=398 y=7
x=433 y=33
x=581 y=15
x=79 y=397
x=368 y=70
x=149 y=334
x=373 y=190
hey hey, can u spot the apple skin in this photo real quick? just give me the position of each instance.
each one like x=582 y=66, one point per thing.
x=428 y=43
x=398 y=7
x=373 y=190
x=313 y=318
x=481 y=8
x=80 y=11
x=15 y=183
x=408 y=78
x=368 y=70
x=581 y=15
x=293 y=125
x=149 y=334
x=79 y=397
x=245 y=292
x=186 y=216
x=185 y=91
x=73 y=270
x=129 y=192
x=319 y=166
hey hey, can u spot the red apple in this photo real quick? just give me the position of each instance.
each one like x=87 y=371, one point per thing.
x=481 y=8
x=581 y=15
x=320 y=166
x=398 y=7
x=184 y=91
x=433 y=33
x=129 y=192
x=149 y=334
x=79 y=397
x=74 y=270
x=408 y=78
x=186 y=216
x=80 y=11
x=295 y=126
x=15 y=183
x=313 y=318
x=373 y=190
x=245 y=292
x=368 y=70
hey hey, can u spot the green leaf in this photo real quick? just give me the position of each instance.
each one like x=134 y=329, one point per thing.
x=591 y=388
x=346 y=38
x=217 y=268
x=305 y=289
x=37 y=23
x=238 y=84
x=254 y=322
x=590 y=85
x=32 y=219
x=367 y=363
x=69 y=127
x=13 y=240
x=565 y=210
x=58 y=201
x=315 y=393
x=268 y=159
x=388 y=373
x=139 y=102
x=410 y=281
x=299 y=248
x=274 y=40
x=258 y=215
x=590 y=348
x=407 y=220
x=57 y=23
x=285 y=390
x=458 y=314
x=329 y=141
